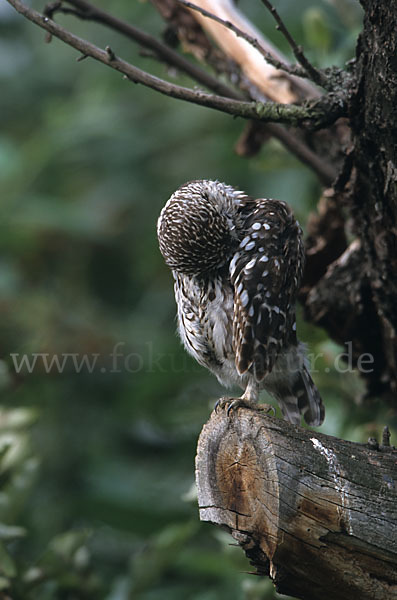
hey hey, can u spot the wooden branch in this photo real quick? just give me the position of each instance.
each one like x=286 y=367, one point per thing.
x=317 y=114
x=317 y=514
x=87 y=11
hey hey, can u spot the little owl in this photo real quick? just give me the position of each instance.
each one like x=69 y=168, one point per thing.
x=237 y=264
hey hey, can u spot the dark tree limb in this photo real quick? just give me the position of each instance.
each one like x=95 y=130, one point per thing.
x=317 y=514
x=373 y=203
x=315 y=114
x=87 y=11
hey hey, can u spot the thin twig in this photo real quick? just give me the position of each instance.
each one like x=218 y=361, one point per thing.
x=277 y=64
x=311 y=71
x=317 y=114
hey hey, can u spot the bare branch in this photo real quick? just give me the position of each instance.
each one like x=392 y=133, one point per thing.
x=312 y=73
x=316 y=114
x=87 y=11
x=277 y=64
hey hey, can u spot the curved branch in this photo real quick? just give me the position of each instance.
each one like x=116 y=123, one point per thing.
x=316 y=114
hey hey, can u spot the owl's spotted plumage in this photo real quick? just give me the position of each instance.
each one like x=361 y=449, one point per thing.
x=237 y=265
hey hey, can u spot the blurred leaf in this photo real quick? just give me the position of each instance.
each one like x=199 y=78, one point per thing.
x=9 y=533
x=7 y=564
x=17 y=418
x=14 y=448
x=316 y=28
x=4 y=583
x=65 y=545
x=150 y=564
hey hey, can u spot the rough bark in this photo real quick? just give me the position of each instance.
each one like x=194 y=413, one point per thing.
x=355 y=300
x=317 y=514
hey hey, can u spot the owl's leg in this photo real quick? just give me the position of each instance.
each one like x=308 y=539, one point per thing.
x=248 y=400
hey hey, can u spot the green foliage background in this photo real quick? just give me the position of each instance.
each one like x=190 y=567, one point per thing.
x=97 y=468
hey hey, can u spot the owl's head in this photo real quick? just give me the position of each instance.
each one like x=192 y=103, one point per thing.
x=198 y=227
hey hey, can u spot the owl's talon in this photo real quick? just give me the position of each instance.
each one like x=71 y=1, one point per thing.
x=222 y=402
x=233 y=403
x=242 y=403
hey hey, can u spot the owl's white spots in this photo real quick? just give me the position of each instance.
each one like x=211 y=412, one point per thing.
x=294 y=326
x=250 y=265
x=245 y=241
x=244 y=298
x=265 y=273
x=233 y=264
x=256 y=226
x=266 y=226
x=264 y=258
x=250 y=245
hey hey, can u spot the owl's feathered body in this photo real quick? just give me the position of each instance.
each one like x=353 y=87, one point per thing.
x=237 y=265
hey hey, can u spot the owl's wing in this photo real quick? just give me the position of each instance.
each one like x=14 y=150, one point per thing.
x=265 y=273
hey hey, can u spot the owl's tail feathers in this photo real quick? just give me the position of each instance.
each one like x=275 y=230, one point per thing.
x=309 y=400
x=303 y=399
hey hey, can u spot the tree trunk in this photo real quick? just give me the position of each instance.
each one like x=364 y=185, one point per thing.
x=317 y=514
x=356 y=298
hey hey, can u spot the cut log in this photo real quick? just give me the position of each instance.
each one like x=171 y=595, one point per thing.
x=316 y=513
